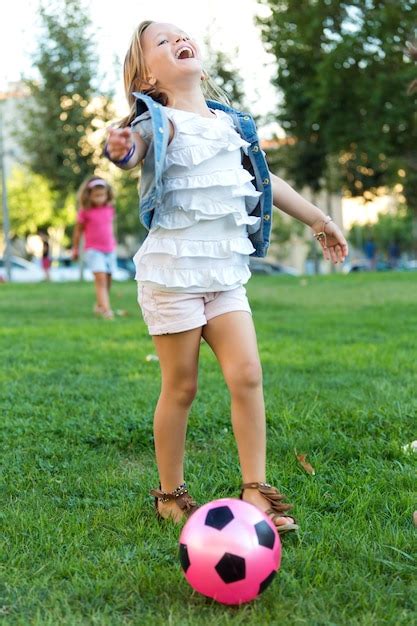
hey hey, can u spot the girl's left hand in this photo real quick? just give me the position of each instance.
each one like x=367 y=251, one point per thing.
x=332 y=241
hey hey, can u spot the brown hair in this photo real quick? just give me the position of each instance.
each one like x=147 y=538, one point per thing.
x=135 y=77
x=84 y=192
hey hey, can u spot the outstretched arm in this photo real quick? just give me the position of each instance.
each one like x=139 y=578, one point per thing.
x=327 y=233
x=125 y=148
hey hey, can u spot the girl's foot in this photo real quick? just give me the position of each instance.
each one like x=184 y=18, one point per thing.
x=100 y=311
x=107 y=315
x=170 y=511
x=175 y=505
x=269 y=500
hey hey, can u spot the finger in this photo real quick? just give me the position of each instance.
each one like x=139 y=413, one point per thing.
x=338 y=252
x=325 y=250
x=342 y=254
x=333 y=255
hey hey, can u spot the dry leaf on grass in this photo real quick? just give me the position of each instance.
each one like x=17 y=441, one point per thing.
x=151 y=357
x=415 y=518
x=302 y=459
x=410 y=447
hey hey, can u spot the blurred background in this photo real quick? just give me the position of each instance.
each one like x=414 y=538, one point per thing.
x=331 y=85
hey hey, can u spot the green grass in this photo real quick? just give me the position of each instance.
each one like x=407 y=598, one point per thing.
x=79 y=540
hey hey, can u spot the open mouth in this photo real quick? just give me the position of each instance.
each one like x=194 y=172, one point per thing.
x=185 y=52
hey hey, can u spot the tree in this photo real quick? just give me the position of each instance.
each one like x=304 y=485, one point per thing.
x=126 y=191
x=64 y=110
x=388 y=230
x=343 y=73
x=221 y=70
x=31 y=202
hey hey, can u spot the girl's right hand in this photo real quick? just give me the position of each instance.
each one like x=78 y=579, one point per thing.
x=119 y=142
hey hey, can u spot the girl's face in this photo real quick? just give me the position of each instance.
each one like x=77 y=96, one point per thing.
x=98 y=195
x=170 y=54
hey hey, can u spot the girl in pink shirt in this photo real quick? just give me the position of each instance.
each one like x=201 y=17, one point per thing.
x=95 y=221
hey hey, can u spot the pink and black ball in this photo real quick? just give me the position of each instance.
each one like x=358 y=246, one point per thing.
x=230 y=551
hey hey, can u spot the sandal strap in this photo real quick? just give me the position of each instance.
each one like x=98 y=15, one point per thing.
x=271 y=494
x=181 y=497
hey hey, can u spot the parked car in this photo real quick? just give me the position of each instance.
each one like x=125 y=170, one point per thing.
x=408 y=265
x=126 y=263
x=22 y=271
x=64 y=269
x=261 y=266
x=364 y=266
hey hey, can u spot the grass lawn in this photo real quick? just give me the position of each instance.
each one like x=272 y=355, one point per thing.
x=80 y=543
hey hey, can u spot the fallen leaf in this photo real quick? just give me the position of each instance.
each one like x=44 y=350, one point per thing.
x=410 y=447
x=302 y=459
x=151 y=357
x=415 y=518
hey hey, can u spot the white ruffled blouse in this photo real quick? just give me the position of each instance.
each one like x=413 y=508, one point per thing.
x=199 y=236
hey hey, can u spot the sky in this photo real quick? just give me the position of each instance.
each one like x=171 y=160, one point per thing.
x=230 y=23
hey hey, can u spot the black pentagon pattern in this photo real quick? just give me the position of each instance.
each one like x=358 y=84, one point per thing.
x=231 y=568
x=265 y=583
x=184 y=558
x=266 y=535
x=219 y=517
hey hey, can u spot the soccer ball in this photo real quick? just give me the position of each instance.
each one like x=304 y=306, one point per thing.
x=229 y=551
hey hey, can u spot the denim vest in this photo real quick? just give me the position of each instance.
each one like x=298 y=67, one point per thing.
x=151 y=185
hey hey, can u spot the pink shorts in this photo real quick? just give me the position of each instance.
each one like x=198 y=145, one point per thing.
x=167 y=312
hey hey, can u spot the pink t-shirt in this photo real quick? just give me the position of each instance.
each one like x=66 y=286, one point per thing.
x=98 y=227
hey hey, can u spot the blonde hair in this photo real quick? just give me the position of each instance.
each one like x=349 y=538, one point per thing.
x=84 y=192
x=135 y=78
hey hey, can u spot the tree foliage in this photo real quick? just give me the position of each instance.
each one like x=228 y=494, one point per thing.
x=388 y=230
x=64 y=111
x=226 y=76
x=31 y=202
x=344 y=75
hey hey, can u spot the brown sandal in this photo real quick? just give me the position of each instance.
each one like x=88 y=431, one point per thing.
x=275 y=498
x=182 y=499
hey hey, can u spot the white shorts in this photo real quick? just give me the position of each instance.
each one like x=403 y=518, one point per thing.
x=167 y=312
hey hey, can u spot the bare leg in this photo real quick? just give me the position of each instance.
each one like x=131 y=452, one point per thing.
x=232 y=338
x=102 y=294
x=108 y=287
x=178 y=357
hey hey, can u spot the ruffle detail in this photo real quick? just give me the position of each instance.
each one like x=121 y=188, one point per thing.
x=193 y=124
x=219 y=178
x=211 y=137
x=187 y=156
x=193 y=210
x=177 y=248
x=205 y=279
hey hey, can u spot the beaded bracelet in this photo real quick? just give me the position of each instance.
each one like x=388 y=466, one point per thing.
x=125 y=158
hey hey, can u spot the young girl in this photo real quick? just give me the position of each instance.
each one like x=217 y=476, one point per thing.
x=95 y=221
x=206 y=196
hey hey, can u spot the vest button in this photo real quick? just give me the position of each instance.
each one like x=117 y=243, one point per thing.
x=161 y=130
x=255 y=149
x=265 y=181
x=267 y=217
x=246 y=118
